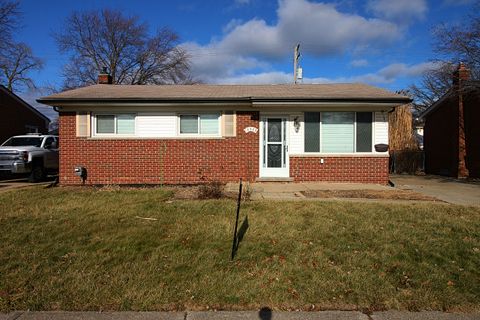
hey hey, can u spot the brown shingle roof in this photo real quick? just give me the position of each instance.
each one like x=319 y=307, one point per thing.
x=343 y=91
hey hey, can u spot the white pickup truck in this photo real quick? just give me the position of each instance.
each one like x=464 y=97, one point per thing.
x=35 y=154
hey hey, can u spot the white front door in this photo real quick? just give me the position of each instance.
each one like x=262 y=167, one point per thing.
x=274 y=147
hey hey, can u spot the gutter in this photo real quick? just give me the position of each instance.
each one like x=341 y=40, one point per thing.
x=247 y=100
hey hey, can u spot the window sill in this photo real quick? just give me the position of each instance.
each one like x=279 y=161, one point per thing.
x=340 y=155
x=154 y=138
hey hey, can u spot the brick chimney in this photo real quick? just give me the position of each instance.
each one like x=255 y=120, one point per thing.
x=461 y=74
x=104 y=77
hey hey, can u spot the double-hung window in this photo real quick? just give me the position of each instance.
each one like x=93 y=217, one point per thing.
x=200 y=124
x=115 y=124
x=338 y=132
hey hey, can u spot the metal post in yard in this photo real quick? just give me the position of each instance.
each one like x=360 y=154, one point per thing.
x=234 y=245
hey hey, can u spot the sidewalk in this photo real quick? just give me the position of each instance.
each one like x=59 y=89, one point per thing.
x=264 y=314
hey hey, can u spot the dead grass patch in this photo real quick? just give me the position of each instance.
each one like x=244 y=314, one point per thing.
x=369 y=194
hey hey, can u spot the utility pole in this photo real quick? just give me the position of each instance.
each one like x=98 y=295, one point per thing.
x=296 y=57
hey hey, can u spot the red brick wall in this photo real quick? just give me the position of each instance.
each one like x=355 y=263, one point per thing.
x=154 y=161
x=340 y=169
x=189 y=161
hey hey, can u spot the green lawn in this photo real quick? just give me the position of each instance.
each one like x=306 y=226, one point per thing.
x=85 y=249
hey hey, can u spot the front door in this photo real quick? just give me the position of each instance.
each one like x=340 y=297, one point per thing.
x=274 y=148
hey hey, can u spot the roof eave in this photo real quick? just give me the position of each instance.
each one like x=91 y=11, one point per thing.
x=25 y=104
x=435 y=105
x=62 y=102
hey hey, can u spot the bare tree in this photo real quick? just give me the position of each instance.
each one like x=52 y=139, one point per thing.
x=106 y=38
x=461 y=43
x=16 y=59
x=434 y=84
x=452 y=44
x=9 y=14
x=16 y=65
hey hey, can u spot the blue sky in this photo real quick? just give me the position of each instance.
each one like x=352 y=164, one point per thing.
x=386 y=43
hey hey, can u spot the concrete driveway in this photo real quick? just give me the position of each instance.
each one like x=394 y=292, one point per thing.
x=443 y=188
x=18 y=183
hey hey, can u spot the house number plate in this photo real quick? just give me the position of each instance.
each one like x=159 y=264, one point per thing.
x=250 y=129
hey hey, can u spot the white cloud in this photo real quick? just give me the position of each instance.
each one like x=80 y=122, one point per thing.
x=359 y=63
x=400 y=11
x=395 y=70
x=383 y=76
x=257 y=78
x=208 y=63
x=231 y=25
x=320 y=28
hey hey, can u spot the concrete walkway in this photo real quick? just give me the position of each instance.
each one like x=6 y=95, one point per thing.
x=292 y=190
x=240 y=315
x=447 y=189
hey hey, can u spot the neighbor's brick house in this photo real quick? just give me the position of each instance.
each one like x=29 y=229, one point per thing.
x=18 y=117
x=449 y=119
x=192 y=134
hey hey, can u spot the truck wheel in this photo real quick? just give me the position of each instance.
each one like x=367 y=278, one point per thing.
x=37 y=174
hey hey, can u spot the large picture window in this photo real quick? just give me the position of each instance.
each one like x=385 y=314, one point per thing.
x=113 y=124
x=200 y=124
x=338 y=132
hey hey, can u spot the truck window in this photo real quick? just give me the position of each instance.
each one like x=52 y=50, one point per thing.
x=48 y=142
x=23 y=142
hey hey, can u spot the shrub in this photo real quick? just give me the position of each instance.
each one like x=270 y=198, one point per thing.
x=210 y=190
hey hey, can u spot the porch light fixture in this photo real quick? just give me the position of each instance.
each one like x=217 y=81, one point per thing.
x=296 y=124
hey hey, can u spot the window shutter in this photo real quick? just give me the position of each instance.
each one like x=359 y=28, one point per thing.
x=229 y=124
x=83 y=124
x=364 y=132
x=312 y=132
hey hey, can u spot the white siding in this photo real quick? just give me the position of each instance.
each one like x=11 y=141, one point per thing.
x=296 y=138
x=381 y=128
x=157 y=125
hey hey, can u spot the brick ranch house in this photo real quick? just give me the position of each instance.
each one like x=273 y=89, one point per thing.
x=188 y=134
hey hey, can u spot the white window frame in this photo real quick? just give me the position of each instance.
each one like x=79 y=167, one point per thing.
x=198 y=134
x=372 y=151
x=114 y=134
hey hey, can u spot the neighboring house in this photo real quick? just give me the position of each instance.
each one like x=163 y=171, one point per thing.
x=187 y=134
x=18 y=117
x=451 y=132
